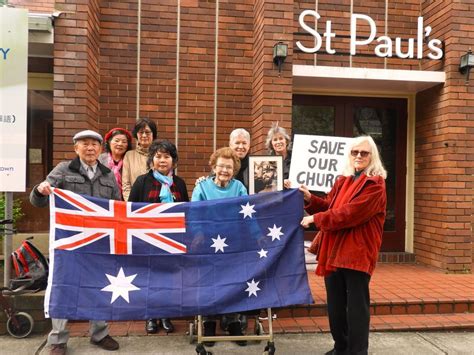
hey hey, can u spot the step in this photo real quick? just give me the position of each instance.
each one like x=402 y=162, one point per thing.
x=423 y=322
x=415 y=306
x=449 y=321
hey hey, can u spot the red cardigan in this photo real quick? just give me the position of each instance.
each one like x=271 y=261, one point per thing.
x=354 y=229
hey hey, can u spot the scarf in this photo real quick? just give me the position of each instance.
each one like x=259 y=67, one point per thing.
x=116 y=169
x=166 y=183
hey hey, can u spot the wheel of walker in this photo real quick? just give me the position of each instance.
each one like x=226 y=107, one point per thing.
x=259 y=328
x=269 y=349
x=192 y=337
x=23 y=327
x=201 y=350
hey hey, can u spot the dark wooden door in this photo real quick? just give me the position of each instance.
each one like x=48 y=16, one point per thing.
x=385 y=120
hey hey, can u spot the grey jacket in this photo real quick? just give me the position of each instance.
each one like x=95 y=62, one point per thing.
x=70 y=175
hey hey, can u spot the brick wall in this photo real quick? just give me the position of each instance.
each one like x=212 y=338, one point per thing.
x=40 y=6
x=444 y=149
x=272 y=91
x=96 y=80
x=76 y=68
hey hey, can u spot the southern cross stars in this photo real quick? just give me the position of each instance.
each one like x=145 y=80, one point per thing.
x=275 y=232
x=219 y=244
x=247 y=210
x=120 y=286
x=253 y=288
x=263 y=253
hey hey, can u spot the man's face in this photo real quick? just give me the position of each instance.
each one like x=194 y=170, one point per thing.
x=240 y=146
x=88 y=150
x=268 y=172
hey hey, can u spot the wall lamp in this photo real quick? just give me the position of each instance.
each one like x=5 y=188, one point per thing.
x=280 y=52
x=466 y=64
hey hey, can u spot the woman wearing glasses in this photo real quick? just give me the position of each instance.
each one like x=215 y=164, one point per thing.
x=225 y=165
x=351 y=220
x=134 y=163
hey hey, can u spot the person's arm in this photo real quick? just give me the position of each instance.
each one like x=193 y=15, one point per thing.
x=184 y=191
x=136 y=191
x=39 y=196
x=126 y=176
x=197 y=193
x=369 y=202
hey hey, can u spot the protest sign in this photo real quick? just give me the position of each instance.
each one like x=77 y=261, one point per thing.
x=317 y=161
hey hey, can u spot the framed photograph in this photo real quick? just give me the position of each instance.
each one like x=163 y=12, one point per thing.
x=265 y=173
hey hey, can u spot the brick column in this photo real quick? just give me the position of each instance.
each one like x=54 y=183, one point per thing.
x=272 y=93
x=444 y=148
x=76 y=73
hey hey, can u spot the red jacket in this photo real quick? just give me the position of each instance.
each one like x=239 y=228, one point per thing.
x=351 y=234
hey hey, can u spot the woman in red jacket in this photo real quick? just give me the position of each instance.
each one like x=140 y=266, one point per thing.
x=351 y=220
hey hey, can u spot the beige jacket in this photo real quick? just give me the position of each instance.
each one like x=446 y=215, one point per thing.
x=134 y=165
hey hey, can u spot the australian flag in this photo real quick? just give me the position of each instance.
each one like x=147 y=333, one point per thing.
x=113 y=260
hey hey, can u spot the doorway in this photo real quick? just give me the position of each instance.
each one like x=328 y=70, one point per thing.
x=384 y=119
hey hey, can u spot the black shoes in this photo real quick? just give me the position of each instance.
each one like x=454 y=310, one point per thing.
x=167 y=325
x=235 y=329
x=151 y=326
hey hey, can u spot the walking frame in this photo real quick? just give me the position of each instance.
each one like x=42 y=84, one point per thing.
x=196 y=334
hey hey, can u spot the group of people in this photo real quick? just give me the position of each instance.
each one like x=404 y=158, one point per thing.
x=350 y=218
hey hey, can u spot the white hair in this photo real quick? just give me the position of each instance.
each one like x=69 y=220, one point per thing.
x=274 y=130
x=375 y=167
x=239 y=132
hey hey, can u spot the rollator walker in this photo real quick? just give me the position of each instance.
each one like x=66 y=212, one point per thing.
x=196 y=334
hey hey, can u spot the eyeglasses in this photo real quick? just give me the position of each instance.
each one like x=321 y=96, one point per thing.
x=363 y=153
x=145 y=133
x=225 y=167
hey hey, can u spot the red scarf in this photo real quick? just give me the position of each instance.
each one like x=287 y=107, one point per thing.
x=330 y=243
x=116 y=168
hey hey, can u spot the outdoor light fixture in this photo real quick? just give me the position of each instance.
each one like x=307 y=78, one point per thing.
x=280 y=52
x=467 y=62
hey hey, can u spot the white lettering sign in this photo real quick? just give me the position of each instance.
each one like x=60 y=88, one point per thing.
x=13 y=93
x=317 y=161
x=385 y=47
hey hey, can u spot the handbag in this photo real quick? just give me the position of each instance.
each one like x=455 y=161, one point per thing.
x=315 y=244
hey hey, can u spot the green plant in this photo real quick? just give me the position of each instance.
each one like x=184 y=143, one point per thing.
x=17 y=211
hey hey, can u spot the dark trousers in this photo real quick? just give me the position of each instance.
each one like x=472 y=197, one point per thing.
x=349 y=310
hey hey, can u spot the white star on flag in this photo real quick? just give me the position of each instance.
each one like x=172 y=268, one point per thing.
x=219 y=244
x=247 y=210
x=263 y=253
x=275 y=232
x=120 y=285
x=253 y=288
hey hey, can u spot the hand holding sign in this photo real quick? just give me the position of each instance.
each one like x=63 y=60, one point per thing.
x=317 y=161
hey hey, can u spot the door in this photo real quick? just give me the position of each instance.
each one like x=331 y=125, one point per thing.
x=383 y=119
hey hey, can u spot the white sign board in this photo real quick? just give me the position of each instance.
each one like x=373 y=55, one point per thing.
x=13 y=96
x=317 y=161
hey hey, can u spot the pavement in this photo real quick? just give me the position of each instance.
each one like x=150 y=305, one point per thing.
x=401 y=343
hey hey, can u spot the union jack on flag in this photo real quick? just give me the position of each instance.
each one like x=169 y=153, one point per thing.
x=91 y=220
x=113 y=260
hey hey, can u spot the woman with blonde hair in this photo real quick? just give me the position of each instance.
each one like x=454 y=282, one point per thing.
x=350 y=219
x=278 y=142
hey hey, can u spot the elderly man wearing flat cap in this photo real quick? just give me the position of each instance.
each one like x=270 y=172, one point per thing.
x=84 y=175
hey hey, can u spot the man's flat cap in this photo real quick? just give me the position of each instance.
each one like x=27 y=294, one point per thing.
x=87 y=134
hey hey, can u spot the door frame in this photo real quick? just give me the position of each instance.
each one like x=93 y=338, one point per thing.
x=344 y=107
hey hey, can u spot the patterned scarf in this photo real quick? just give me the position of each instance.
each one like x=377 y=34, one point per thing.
x=117 y=170
x=166 y=183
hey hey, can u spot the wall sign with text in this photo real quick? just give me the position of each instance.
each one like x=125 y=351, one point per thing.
x=317 y=161
x=386 y=47
x=13 y=94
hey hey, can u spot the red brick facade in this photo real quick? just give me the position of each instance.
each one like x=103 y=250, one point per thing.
x=199 y=99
